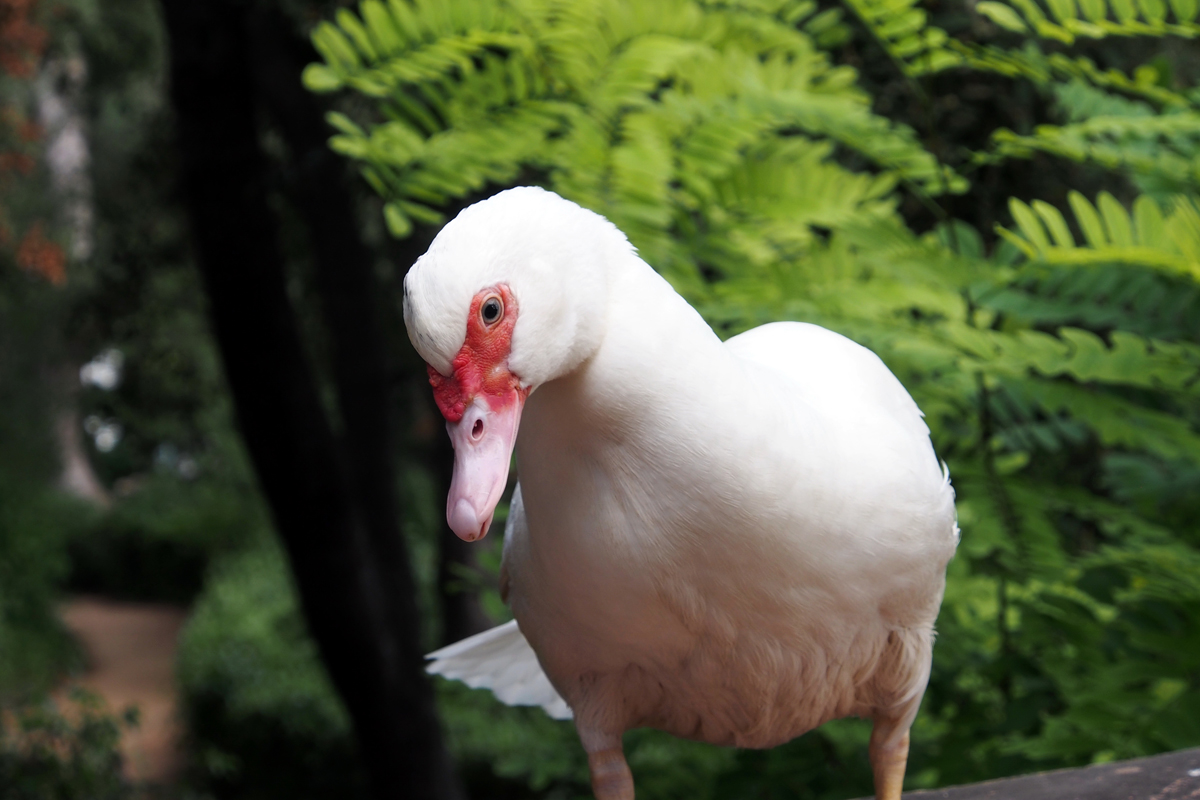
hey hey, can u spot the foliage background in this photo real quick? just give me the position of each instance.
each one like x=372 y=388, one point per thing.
x=1000 y=198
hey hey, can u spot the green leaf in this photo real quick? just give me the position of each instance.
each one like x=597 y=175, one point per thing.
x=406 y=22
x=335 y=47
x=1115 y=219
x=798 y=11
x=1088 y=219
x=1063 y=10
x=320 y=78
x=1124 y=10
x=376 y=182
x=381 y=28
x=398 y=225
x=1154 y=11
x=1002 y=15
x=350 y=146
x=1185 y=10
x=351 y=25
x=1149 y=223
x=1094 y=10
x=1029 y=223
x=420 y=212
x=341 y=122
x=1054 y=223
x=903 y=24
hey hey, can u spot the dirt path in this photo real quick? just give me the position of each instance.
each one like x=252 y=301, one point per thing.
x=131 y=661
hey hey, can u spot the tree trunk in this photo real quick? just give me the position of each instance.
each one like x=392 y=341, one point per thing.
x=77 y=478
x=332 y=504
x=59 y=91
x=348 y=289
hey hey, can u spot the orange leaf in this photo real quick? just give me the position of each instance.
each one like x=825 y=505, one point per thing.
x=39 y=255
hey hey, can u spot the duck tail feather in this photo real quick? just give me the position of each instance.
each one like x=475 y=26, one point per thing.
x=500 y=659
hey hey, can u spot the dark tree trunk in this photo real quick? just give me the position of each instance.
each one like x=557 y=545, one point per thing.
x=348 y=290
x=332 y=501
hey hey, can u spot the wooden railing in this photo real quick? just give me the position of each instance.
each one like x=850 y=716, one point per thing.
x=1170 y=776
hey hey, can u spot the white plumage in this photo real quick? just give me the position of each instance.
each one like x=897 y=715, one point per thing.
x=501 y=660
x=733 y=542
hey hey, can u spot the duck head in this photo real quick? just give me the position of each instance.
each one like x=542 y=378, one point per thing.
x=511 y=295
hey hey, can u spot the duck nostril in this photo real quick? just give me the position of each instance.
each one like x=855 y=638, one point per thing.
x=477 y=429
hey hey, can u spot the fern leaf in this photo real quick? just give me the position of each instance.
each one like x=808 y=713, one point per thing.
x=1147 y=17
x=1121 y=423
x=1168 y=244
x=1089 y=220
x=903 y=31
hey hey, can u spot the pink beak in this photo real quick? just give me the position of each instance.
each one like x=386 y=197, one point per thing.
x=483 y=443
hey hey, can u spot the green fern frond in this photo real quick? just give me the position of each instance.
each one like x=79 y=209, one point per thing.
x=1103 y=297
x=1081 y=100
x=892 y=147
x=902 y=29
x=1154 y=486
x=1042 y=69
x=668 y=100
x=1121 y=423
x=1129 y=360
x=919 y=49
x=408 y=42
x=1064 y=21
x=1164 y=147
x=1115 y=521
x=1168 y=243
x=1022 y=426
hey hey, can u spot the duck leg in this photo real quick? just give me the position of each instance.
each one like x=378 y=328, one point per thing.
x=611 y=778
x=889 y=756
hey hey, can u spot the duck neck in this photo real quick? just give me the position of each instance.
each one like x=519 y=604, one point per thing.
x=656 y=366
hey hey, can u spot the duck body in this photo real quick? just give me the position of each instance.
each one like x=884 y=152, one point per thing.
x=732 y=542
x=804 y=528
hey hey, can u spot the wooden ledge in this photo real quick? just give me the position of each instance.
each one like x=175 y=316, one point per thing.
x=1170 y=776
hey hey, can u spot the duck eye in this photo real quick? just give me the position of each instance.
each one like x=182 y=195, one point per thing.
x=491 y=310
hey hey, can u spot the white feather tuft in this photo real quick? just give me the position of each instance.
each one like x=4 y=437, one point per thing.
x=501 y=660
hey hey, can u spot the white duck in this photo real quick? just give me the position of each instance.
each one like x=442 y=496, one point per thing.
x=732 y=542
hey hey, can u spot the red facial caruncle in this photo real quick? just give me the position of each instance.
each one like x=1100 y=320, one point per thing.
x=481 y=365
x=482 y=401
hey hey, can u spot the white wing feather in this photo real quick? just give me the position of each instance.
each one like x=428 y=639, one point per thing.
x=501 y=660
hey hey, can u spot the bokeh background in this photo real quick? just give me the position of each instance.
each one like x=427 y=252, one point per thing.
x=222 y=547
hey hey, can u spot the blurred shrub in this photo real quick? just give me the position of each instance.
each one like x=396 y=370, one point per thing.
x=35 y=649
x=156 y=544
x=262 y=716
x=505 y=752
x=53 y=753
x=35 y=520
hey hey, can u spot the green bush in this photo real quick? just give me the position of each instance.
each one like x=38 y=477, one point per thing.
x=156 y=544
x=48 y=755
x=262 y=717
x=35 y=519
x=35 y=648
